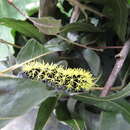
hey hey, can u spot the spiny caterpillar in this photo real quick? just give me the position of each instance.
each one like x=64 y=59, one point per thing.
x=71 y=80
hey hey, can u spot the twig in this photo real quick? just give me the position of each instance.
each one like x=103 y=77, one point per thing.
x=20 y=65
x=7 y=75
x=23 y=14
x=101 y=88
x=75 y=14
x=85 y=7
x=77 y=44
x=74 y=17
x=84 y=46
x=119 y=63
x=8 y=43
x=109 y=47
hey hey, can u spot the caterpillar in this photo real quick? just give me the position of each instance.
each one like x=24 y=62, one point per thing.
x=71 y=80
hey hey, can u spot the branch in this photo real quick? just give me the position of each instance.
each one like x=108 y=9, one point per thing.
x=119 y=63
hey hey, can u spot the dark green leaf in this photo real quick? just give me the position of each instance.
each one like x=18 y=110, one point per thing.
x=83 y=27
x=45 y=110
x=23 y=27
x=118 y=12
x=62 y=112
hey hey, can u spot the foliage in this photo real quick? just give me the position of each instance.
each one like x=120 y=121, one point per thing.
x=87 y=43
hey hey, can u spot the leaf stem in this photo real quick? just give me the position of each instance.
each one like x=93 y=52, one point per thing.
x=9 y=43
x=101 y=88
x=76 y=44
x=20 y=65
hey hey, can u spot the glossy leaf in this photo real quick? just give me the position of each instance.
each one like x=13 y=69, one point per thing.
x=95 y=64
x=17 y=96
x=32 y=49
x=113 y=102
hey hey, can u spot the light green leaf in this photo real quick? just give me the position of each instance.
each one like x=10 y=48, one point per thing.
x=5 y=50
x=76 y=124
x=8 y=11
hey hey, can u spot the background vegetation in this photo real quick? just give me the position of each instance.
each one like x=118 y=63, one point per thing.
x=89 y=34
